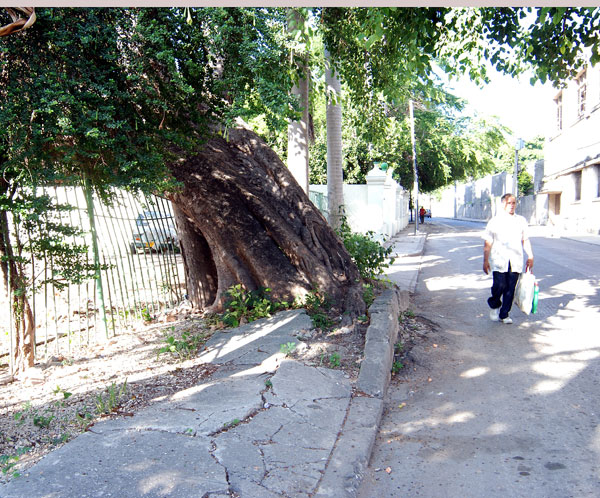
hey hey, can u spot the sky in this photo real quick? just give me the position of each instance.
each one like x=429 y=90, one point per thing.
x=528 y=110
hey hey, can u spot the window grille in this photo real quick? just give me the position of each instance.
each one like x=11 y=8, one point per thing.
x=559 y=112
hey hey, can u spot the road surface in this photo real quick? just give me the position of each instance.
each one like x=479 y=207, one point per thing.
x=494 y=410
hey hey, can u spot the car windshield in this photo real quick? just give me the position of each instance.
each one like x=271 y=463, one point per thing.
x=142 y=219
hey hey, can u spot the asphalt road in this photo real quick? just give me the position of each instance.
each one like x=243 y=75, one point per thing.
x=494 y=410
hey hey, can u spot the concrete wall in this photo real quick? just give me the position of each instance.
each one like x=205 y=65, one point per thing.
x=379 y=206
x=480 y=200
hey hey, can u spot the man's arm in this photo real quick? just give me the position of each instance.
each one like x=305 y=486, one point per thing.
x=487 y=248
x=529 y=252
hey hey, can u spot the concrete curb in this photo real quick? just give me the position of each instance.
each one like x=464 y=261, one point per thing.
x=420 y=245
x=350 y=457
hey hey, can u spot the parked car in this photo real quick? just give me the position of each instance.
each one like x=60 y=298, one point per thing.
x=154 y=232
x=428 y=213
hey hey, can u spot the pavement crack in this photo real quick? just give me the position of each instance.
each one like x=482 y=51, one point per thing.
x=333 y=448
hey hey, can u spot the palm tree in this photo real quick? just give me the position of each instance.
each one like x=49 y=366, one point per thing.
x=335 y=192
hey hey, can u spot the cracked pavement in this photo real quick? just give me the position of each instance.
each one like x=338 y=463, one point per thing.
x=234 y=435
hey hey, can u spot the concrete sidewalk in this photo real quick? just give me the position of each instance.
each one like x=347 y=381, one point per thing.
x=263 y=426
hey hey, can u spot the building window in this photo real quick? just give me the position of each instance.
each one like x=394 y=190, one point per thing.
x=577 y=185
x=559 y=111
x=581 y=93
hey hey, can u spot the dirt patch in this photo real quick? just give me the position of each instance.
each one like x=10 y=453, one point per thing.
x=66 y=395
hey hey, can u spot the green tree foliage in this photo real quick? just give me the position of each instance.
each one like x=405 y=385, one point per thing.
x=111 y=97
x=107 y=93
x=385 y=57
x=449 y=147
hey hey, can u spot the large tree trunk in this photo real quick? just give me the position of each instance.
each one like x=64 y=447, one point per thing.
x=243 y=218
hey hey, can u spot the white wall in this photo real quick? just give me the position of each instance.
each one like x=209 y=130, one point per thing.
x=379 y=206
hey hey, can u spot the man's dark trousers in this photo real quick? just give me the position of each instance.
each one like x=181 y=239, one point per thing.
x=503 y=291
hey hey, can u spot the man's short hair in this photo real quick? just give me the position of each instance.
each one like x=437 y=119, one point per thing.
x=505 y=197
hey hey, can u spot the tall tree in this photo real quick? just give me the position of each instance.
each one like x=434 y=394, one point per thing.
x=143 y=99
x=335 y=180
x=133 y=98
x=298 y=129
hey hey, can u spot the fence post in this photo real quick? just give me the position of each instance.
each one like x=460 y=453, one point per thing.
x=89 y=200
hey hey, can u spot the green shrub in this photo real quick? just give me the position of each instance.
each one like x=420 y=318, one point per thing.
x=370 y=256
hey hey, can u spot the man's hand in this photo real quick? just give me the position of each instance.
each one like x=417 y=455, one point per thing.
x=529 y=264
x=486 y=267
x=529 y=252
x=487 y=249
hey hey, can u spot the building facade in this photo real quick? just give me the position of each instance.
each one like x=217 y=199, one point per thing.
x=572 y=156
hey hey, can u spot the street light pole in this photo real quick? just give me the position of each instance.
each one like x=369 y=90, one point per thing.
x=415 y=174
x=518 y=146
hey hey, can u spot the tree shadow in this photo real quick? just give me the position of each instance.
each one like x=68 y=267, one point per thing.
x=518 y=399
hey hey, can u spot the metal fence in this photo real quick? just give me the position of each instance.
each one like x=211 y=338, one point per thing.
x=139 y=274
x=320 y=201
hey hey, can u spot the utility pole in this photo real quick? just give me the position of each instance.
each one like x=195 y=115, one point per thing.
x=518 y=146
x=415 y=175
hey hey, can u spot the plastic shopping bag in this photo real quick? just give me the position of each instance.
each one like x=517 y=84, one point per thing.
x=524 y=292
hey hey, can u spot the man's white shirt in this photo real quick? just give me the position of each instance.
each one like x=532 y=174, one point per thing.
x=506 y=233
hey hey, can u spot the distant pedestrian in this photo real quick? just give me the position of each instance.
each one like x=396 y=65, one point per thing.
x=505 y=238
x=422 y=214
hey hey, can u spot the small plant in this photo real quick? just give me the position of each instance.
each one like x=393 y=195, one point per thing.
x=397 y=366
x=287 y=348
x=146 y=316
x=334 y=360
x=233 y=423
x=22 y=415
x=363 y=319
x=185 y=348
x=317 y=305
x=83 y=419
x=65 y=395
x=406 y=314
x=67 y=362
x=368 y=294
x=398 y=347
x=109 y=403
x=43 y=421
x=8 y=462
x=246 y=306
x=63 y=438
x=268 y=384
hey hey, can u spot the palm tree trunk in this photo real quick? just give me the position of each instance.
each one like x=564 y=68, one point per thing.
x=335 y=183
x=297 y=159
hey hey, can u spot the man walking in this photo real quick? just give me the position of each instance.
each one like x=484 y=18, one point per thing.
x=505 y=238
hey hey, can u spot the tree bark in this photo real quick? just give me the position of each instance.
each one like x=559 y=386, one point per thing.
x=335 y=177
x=298 y=131
x=22 y=317
x=243 y=218
x=298 y=136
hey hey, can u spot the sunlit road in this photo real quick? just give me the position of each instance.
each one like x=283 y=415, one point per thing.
x=495 y=410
